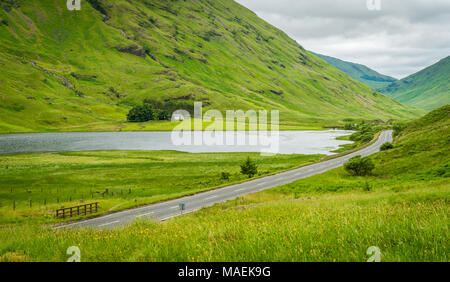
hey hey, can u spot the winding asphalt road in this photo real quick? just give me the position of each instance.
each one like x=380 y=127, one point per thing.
x=169 y=209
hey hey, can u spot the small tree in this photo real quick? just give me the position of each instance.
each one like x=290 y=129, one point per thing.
x=249 y=168
x=386 y=146
x=359 y=166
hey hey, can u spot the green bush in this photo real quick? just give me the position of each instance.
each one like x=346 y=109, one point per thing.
x=225 y=176
x=359 y=166
x=141 y=114
x=365 y=135
x=386 y=146
x=249 y=168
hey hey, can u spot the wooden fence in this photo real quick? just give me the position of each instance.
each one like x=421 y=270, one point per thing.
x=77 y=210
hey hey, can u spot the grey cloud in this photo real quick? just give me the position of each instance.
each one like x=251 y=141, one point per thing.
x=402 y=38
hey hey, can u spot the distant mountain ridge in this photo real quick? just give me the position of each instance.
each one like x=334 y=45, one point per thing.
x=428 y=89
x=359 y=72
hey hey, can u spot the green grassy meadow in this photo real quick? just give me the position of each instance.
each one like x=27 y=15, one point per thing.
x=132 y=178
x=408 y=223
x=402 y=208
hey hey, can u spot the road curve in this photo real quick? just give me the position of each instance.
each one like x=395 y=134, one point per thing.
x=166 y=210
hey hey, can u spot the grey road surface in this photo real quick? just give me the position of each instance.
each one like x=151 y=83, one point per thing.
x=166 y=210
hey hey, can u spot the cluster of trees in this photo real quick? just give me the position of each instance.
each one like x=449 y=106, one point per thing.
x=351 y=126
x=157 y=110
x=171 y=105
x=365 y=134
x=146 y=112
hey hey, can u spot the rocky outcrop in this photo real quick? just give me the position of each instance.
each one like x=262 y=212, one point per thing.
x=132 y=49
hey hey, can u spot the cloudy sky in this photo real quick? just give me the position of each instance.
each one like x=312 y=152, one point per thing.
x=401 y=38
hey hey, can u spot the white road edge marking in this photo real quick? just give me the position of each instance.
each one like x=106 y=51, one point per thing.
x=141 y=215
x=109 y=223
x=212 y=197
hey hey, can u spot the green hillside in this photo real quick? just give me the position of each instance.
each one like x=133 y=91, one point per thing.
x=427 y=89
x=360 y=72
x=83 y=70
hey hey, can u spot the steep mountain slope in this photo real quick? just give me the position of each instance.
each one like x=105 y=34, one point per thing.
x=359 y=72
x=427 y=89
x=421 y=148
x=82 y=70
